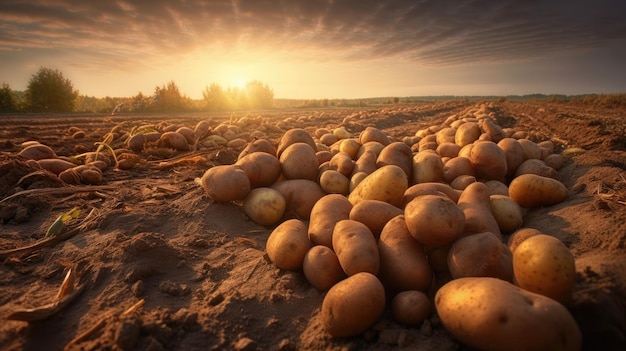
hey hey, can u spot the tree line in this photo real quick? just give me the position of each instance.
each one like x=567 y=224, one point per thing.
x=49 y=91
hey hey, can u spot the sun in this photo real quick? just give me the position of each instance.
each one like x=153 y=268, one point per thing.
x=238 y=83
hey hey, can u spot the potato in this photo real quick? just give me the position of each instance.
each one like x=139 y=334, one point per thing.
x=350 y=146
x=173 y=140
x=403 y=262
x=495 y=131
x=476 y=207
x=430 y=189
x=299 y=161
x=292 y=136
x=531 y=190
x=334 y=182
x=342 y=133
x=328 y=139
x=352 y=305
x=491 y=314
x=226 y=183
x=321 y=267
x=343 y=163
x=434 y=220
x=480 y=255
x=373 y=146
x=373 y=134
x=301 y=195
x=287 y=245
x=519 y=236
x=374 y=214
x=258 y=145
x=456 y=167
x=326 y=212
x=410 y=307
x=496 y=187
x=461 y=182
x=263 y=169
x=514 y=154
x=448 y=150
x=536 y=166
x=54 y=165
x=554 y=160
x=399 y=154
x=37 y=151
x=488 y=160
x=427 y=167
x=507 y=213
x=323 y=156
x=366 y=163
x=544 y=265
x=355 y=247
x=388 y=183
x=356 y=179
x=265 y=206
x=467 y=133
x=466 y=151
x=531 y=150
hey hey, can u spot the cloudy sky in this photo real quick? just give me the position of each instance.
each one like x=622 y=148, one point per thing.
x=320 y=48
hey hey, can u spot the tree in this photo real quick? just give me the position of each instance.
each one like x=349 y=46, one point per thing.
x=49 y=91
x=215 y=98
x=259 y=95
x=7 y=102
x=169 y=99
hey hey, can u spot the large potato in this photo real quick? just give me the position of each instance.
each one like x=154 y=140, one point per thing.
x=399 y=154
x=353 y=305
x=321 y=267
x=544 y=265
x=326 y=212
x=262 y=168
x=480 y=255
x=355 y=247
x=531 y=190
x=488 y=160
x=467 y=133
x=493 y=315
x=434 y=220
x=301 y=195
x=299 y=161
x=507 y=212
x=403 y=262
x=287 y=245
x=374 y=214
x=476 y=206
x=225 y=183
x=427 y=167
x=388 y=183
x=265 y=206
x=514 y=154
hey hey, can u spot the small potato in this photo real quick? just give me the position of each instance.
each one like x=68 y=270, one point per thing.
x=173 y=140
x=456 y=167
x=445 y=135
x=496 y=187
x=350 y=146
x=507 y=213
x=531 y=149
x=326 y=212
x=265 y=206
x=403 y=262
x=480 y=255
x=328 y=139
x=544 y=265
x=476 y=207
x=434 y=220
x=323 y=156
x=388 y=183
x=301 y=195
x=342 y=133
x=536 y=166
x=355 y=247
x=37 y=151
x=366 y=163
x=374 y=214
x=258 y=145
x=299 y=161
x=461 y=182
x=410 y=307
x=519 y=236
x=467 y=133
x=494 y=131
x=399 y=154
x=466 y=151
x=531 y=190
x=514 y=154
x=287 y=245
x=263 y=169
x=448 y=150
x=554 y=160
x=492 y=315
x=292 y=136
x=334 y=182
x=343 y=163
x=427 y=167
x=55 y=165
x=352 y=305
x=373 y=146
x=488 y=160
x=373 y=134
x=226 y=183
x=321 y=267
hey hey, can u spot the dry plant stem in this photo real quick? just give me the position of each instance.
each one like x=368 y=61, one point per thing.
x=43 y=312
x=67 y=190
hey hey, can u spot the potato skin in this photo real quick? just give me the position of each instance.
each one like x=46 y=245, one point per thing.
x=292 y=136
x=387 y=183
x=480 y=255
x=321 y=267
x=333 y=182
x=263 y=169
x=374 y=214
x=226 y=183
x=544 y=265
x=507 y=212
x=399 y=154
x=403 y=262
x=265 y=206
x=476 y=206
x=531 y=190
x=488 y=160
x=299 y=161
x=434 y=220
x=427 y=167
x=287 y=245
x=325 y=214
x=355 y=247
x=301 y=195
x=410 y=307
x=353 y=305
x=493 y=315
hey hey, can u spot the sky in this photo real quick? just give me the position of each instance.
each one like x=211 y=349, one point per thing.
x=315 y=49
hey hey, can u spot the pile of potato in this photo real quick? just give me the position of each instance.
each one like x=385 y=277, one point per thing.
x=433 y=219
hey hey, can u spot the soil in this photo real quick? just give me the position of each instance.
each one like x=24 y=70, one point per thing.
x=154 y=235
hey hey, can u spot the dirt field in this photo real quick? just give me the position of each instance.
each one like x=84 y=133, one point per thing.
x=199 y=265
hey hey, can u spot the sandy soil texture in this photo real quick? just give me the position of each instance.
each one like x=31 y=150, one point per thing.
x=199 y=265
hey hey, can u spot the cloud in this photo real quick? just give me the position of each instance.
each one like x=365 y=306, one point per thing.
x=426 y=32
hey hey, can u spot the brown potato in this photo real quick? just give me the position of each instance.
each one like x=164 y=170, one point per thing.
x=226 y=183
x=55 y=165
x=480 y=255
x=488 y=160
x=491 y=314
x=531 y=149
x=554 y=160
x=265 y=206
x=334 y=182
x=173 y=140
x=520 y=235
x=448 y=150
x=326 y=212
x=373 y=134
x=301 y=195
x=461 y=182
x=352 y=305
x=536 y=166
x=350 y=146
x=298 y=161
x=37 y=151
x=434 y=220
x=410 y=307
x=387 y=183
x=467 y=133
x=514 y=154
x=445 y=135
x=258 y=145
x=342 y=163
x=292 y=136
x=531 y=190
x=355 y=247
x=507 y=212
x=366 y=163
x=496 y=187
x=476 y=207
x=321 y=267
x=374 y=214
x=430 y=189
x=399 y=154
x=287 y=245
x=427 y=167
x=263 y=169
x=403 y=262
